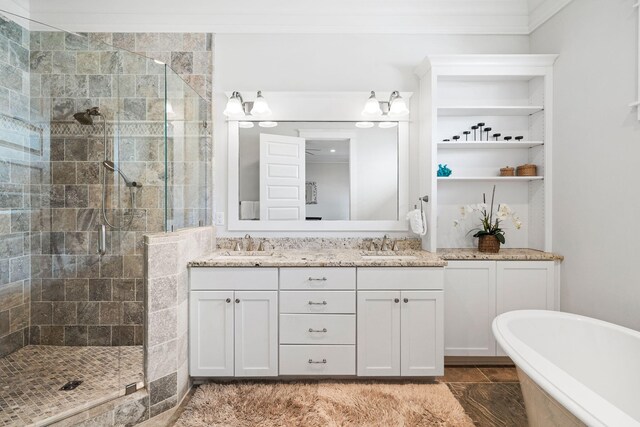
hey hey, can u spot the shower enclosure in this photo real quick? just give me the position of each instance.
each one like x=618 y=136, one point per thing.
x=98 y=147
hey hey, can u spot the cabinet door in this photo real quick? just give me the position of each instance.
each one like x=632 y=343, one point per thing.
x=470 y=307
x=256 y=337
x=524 y=285
x=422 y=336
x=211 y=333
x=378 y=333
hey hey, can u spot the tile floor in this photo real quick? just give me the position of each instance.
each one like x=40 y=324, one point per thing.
x=490 y=395
x=31 y=377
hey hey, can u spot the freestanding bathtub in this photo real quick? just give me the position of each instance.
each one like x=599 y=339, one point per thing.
x=573 y=370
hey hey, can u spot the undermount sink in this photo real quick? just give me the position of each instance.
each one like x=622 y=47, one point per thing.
x=389 y=257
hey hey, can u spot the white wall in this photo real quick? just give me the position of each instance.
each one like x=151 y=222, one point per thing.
x=596 y=206
x=332 y=180
x=331 y=63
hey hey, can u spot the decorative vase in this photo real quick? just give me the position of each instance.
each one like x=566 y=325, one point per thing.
x=488 y=243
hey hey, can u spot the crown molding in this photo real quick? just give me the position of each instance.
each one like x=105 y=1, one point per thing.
x=486 y=17
x=545 y=11
x=461 y=17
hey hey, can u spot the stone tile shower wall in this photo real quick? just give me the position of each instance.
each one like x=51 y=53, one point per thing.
x=16 y=150
x=78 y=297
x=166 y=274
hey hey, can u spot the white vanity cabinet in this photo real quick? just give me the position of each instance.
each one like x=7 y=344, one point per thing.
x=400 y=322
x=477 y=291
x=233 y=332
x=318 y=321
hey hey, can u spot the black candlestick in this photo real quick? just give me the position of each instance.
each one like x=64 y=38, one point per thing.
x=456 y=138
x=474 y=129
x=496 y=136
x=466 y=135
x=508 y=138
x=519 y=138
x=480 y=125
x=487 y=130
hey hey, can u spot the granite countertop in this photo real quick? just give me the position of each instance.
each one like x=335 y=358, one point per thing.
x=320 y=258
x=461 y=254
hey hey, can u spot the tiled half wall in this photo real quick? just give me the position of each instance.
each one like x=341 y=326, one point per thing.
x=166 y=276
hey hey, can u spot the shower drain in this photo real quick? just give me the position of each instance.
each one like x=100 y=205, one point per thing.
x=71 y=385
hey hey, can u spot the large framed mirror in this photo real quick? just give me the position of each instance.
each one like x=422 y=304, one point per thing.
x=318 y=175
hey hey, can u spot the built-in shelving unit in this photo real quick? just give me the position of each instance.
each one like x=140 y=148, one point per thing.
x=490 y=110
x=512 y=95
x=489 y=144
x=491 y=178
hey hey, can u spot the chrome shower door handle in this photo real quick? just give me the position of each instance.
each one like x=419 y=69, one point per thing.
x=102 y=240
x=323 y=330
x=317 y=279
x=322 y=361
x=317 y=303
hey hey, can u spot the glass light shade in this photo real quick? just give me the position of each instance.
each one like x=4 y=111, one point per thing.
x=268 y=124
x=372 y=106
x=260 y=106
x=364 y=125
x=245 y=125
x=234 y=107
x=398 y=107
x=387 y=125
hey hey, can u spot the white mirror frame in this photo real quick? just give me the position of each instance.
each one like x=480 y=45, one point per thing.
x=636 y=104
x=235 y=224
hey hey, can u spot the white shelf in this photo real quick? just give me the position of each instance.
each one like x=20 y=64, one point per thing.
x=490 y=144
x=480 y=110
x=490 y=178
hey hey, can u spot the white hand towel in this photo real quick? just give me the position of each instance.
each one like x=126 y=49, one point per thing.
x=418 y=222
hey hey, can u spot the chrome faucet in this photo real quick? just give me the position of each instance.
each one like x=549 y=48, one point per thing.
x=388 y=244
x=385 y=243
x=249 y=245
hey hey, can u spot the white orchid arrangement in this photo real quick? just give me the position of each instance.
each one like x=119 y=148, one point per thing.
x=490 y=221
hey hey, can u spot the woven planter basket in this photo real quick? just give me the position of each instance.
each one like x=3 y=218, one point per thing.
x=489 y=244
x=527 y=170
x=507 y=171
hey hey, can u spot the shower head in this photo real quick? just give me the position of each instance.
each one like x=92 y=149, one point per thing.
x=110 y=166
x=85 y=117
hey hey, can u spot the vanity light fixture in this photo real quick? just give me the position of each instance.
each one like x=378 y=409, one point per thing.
x=387 y=125
x=372 y=106
x=236 y=106
x=268 y=124
x=365 y=125
x=395 y=107
x=333 y=150
x=245 y=125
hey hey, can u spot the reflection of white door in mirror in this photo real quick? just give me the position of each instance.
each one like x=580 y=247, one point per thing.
x=282 y=178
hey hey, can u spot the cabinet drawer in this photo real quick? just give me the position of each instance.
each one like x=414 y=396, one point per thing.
x=317 y=278
x=317 y=360
x=332 y=302
x=427 y=278
x=215 y=278
x=317 y=329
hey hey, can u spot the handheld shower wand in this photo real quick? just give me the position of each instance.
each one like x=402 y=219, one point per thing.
x=109 y=165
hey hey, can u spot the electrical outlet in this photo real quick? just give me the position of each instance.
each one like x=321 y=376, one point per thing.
x=219 y=218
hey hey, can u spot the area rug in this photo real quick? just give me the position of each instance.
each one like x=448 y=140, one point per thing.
x=317 y=404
